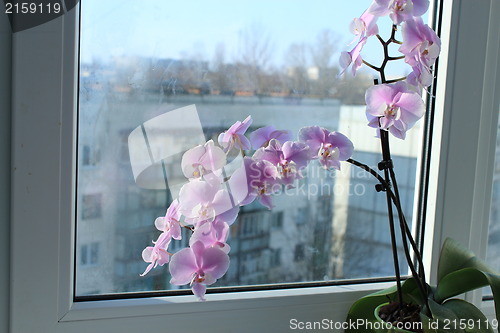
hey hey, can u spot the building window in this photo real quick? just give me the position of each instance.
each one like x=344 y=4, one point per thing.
x=275 y=257
x=91 y=206
x=298 y=254
x=276 y=220
x=89 y=254
x=90 y=155
x=302 y=215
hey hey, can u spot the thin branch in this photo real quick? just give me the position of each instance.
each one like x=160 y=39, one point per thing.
x=396 y=58
x=393 y=33
x=396 y=80
x=381 y=40
x=371 y=66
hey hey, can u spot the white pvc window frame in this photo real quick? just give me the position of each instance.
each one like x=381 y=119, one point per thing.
x=44 y=100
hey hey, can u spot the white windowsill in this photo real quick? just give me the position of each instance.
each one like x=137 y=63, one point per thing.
x=345 y=294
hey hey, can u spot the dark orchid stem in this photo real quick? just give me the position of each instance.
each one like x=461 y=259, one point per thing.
x=389 y=174
x=396 y=58
x=371 y=66
x=396 y=80
x=406 y=230
x=387 y=58
x=387 y=188
x=374 y=173
x=387 y=159
x=406 y=235
x=392 y=195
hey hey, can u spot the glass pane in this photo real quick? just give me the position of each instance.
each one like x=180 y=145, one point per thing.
x=276 y=61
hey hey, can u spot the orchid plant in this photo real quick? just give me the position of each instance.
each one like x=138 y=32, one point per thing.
x=208 y=204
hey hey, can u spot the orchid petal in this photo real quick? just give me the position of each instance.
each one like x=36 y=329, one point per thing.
x=266 y=201
x=199 y=291
x=215 y=262
x=182 y=267
x=312 y=136
x=346 y=147
x=297 y=152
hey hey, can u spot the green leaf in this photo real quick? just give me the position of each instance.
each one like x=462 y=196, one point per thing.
x=441 y=319
x=455 y=316
x=472 y=320
x=460 y=271
x=363 y=308
x=458 y=282
x=468 y=279
x=454 y=256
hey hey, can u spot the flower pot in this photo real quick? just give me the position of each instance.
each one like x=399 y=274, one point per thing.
x=382 y=326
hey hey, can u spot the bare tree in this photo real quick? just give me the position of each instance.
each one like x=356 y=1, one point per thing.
x=255 y=47
x=322 y=54
x=351 y=90
x=255 y=53
x=221 y=75
x=324 y=49
x=296 y=63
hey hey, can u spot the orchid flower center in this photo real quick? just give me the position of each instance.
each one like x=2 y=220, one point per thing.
x=203 y=211
x=328 y=151
x=359 y=26
x=424 y=48
x=199 y=277
x=391 y=111
x=286 y=168
x=198 y=171
x=401 y=5
x=261 y=189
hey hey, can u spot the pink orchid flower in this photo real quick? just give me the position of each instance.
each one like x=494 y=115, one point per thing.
x=420 y=43
x=365 y=25
x=256 y=179
x=170 y=227
x=420 y=77
x=421 y=47
x=329 y=147
x=262 y=136
x=353 y=57
x=201 y=201
x=399 y=10
x=169 y=223
x=235 y=136
x=212 y=234
x=393 y=107
x=289 y=159
x=157 y=254
x=199 y=266
x=202 y=160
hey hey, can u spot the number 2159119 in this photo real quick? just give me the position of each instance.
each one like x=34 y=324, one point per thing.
x=32 y=8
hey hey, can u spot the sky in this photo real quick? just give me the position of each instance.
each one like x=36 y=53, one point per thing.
x=171 y=29
x=194 y=28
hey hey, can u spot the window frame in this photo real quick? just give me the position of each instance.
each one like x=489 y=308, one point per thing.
x=5 y=130
x=43 y=189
